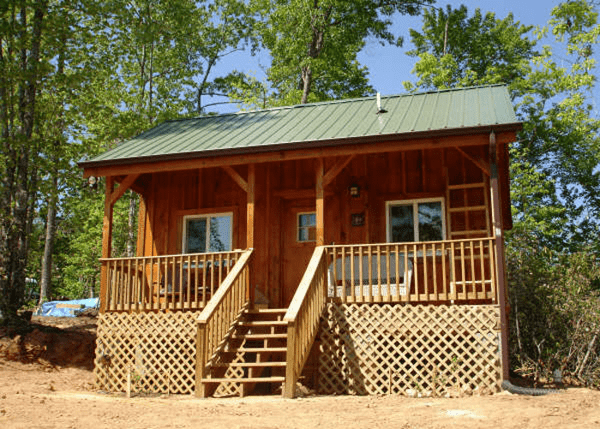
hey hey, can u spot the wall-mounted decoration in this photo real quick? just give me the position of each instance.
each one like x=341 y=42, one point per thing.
x=358 y=219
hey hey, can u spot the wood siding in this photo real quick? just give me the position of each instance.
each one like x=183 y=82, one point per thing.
x=283 y=187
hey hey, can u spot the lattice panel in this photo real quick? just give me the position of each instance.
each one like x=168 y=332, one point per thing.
x=231 y=388
x=158 y=350
x=412 y=350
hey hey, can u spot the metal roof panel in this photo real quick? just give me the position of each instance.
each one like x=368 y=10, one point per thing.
x=339 y=121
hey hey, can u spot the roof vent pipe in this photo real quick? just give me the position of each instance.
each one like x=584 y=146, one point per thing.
x=379 y=109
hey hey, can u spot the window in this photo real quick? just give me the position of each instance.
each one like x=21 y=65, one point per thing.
x=207 y=233
x=307 y=227
x=415 y=220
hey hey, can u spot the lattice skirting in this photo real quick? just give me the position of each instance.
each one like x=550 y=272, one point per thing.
x=411 y=350
x=157 y=350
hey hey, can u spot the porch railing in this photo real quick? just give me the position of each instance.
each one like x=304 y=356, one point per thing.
x=437 y=271
x=216 y=322
x=302 y=317
x=172 y=282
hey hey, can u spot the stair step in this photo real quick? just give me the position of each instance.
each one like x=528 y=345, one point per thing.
x=245 y=380
x=257 y=336
x=263 y=323
x=249 y=364
x=267 y=311
x=257 y=350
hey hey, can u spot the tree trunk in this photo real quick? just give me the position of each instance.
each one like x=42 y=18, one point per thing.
x=306 y=83
x=46 y=277
x=18 y=214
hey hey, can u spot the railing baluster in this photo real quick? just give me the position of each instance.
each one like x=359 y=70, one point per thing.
x=378 y=294
x=343 y=269
x=416 y=273
x=444 y=284
x=397 y=273
x=434 y=268
x=212 y=274
x=473 y=278
x=463 y=270
x=425 y=273
x=453 y=279
x=482 y=268
x=407 y=279
x=361 y=275
x=494 y=287
x=369 y=297
x=196 y=282
x=114 y=290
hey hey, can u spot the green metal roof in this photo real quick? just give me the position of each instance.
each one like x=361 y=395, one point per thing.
x=458 y=111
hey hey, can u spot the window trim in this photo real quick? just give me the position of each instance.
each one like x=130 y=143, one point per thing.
x=184 y=249
x=298 y=214
x=415 y=203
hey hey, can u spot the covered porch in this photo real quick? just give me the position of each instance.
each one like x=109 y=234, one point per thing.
x=291 y=261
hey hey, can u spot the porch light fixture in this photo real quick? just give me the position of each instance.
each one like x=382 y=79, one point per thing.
x=354 y=190
x=92 y=181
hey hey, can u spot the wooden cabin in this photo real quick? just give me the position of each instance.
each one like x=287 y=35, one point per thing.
x=352 y=246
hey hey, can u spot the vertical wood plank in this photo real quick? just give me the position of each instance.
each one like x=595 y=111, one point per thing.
x=250 y=206
x=141 y=234
x=250 y=222
x=320 y=204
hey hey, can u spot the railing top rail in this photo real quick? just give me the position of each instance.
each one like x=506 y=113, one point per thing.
x=410 y=243
x=311 y=271
x=215 y=301
x=175 y=255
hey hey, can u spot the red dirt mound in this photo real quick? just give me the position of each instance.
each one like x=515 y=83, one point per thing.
x=70 y=344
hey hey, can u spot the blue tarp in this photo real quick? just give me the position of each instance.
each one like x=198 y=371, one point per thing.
x=67 y=308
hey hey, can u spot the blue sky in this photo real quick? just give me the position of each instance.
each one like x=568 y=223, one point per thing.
x=390 y=66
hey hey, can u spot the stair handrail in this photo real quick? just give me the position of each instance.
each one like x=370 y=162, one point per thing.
x=218 y=317
x=303 y=316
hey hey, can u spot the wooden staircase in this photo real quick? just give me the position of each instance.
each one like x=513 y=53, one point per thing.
x=254 y=357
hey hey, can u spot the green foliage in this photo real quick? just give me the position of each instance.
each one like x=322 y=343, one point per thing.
x=475 y=50
x=314 y=45
x=555 y=310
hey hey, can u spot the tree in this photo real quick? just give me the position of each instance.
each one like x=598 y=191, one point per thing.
x=560 y=138
x=22 y=68
x=555 y=160
x=110 y=70
x=475 y=50
x=314 y=44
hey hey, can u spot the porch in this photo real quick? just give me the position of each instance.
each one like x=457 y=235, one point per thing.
x=211 y=293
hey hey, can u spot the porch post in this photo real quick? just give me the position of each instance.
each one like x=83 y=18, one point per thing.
x=499 y=261
x=106 y=240
x=320 y=210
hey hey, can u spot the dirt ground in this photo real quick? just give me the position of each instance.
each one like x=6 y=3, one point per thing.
x=50 y=385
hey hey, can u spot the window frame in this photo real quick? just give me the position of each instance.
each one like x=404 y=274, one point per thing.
x=298 y=214
x=207 y=216
x=415 y=205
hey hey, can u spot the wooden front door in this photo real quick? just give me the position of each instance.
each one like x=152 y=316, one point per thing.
x=298 y=235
